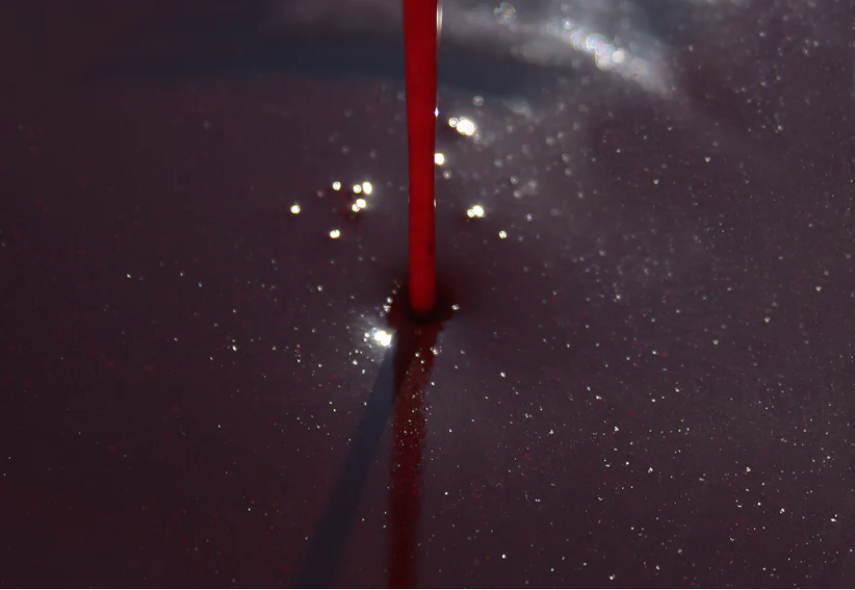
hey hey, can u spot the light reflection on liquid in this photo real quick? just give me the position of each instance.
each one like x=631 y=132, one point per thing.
x=476 y=211
x=557 y=39
x=374 y=338
x=463 y=126
x=382 y=337
x=608 y=55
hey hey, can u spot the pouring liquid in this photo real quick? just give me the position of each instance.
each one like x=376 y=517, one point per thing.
x=420 y=42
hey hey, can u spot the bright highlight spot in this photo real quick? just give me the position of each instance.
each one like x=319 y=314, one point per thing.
x=357 y=188
x=475 y=211
x=367 y=188
x=335 y=234
x=359 y=205
x=295 y=209
x=463 y=125
x=439 y=159
x=336 y=186
x=503 y=234
x=382 y=337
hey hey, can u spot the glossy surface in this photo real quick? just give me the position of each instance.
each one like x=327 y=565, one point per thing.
x=648 y=380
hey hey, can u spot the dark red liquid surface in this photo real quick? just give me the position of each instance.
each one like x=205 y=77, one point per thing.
x=647 y=382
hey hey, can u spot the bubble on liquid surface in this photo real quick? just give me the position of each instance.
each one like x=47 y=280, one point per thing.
x=505 y=13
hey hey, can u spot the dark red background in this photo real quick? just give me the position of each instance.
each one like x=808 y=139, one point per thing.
x=648 y=383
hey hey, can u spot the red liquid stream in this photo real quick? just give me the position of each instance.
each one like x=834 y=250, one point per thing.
x=420 y=42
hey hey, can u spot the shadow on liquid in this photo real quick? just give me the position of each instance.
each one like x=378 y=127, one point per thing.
x=398 y=392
